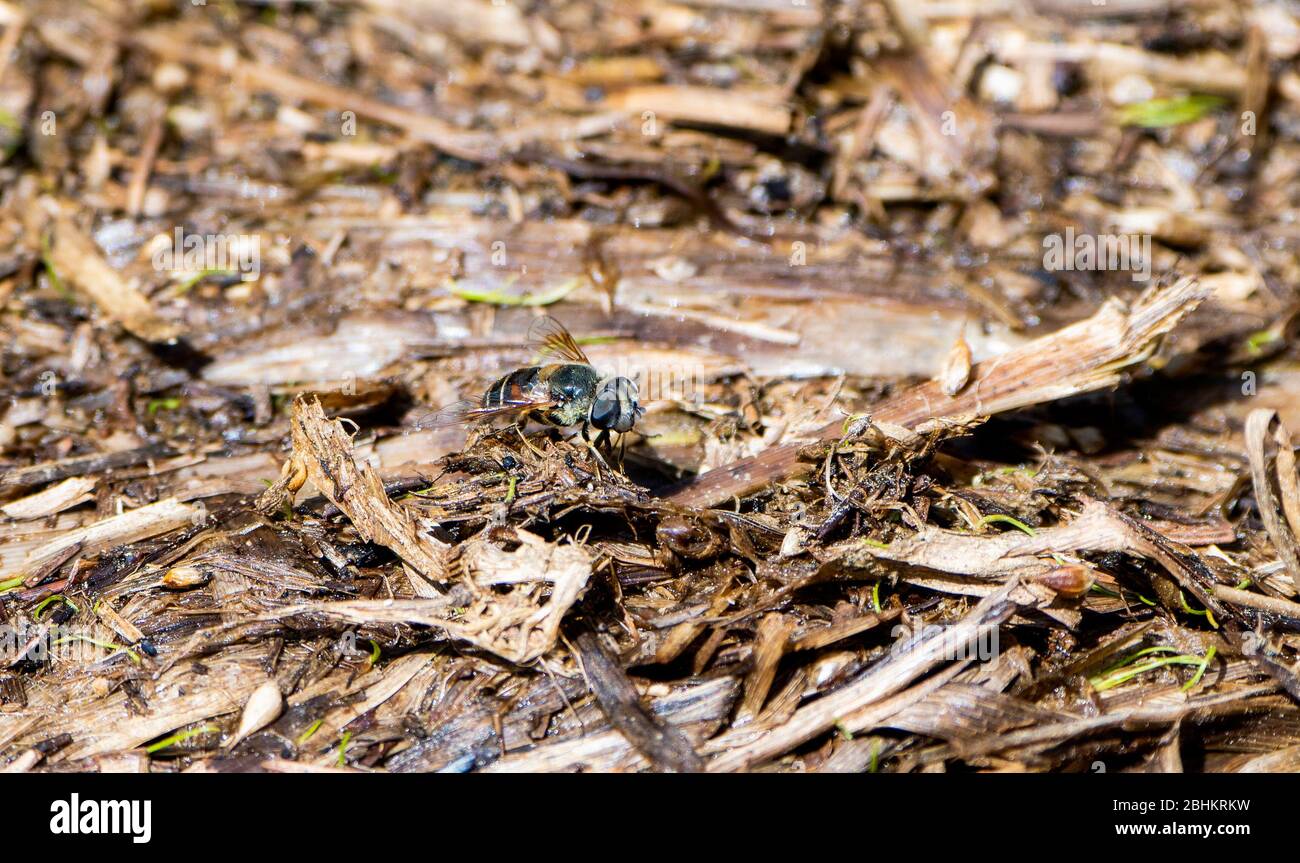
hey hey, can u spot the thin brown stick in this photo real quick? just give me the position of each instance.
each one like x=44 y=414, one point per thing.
x=665 y=746
x=139 y=184
x=1271 y=604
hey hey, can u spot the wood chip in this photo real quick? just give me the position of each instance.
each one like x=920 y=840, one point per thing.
x=73 y=491
x=131 y=526
x=77 y=259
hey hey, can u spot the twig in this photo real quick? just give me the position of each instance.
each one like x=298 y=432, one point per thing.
x=54 y=471
x=139 y=184
x=1271 y=604
x=665 y=746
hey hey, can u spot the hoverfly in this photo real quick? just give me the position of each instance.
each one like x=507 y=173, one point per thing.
x=564 y=393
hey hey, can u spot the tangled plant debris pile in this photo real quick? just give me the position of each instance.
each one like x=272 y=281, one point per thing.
x=966 y=343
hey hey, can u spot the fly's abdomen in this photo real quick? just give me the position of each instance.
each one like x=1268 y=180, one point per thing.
x=518 y=387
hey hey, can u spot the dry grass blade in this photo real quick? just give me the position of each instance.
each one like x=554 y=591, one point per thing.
x=1271 y=604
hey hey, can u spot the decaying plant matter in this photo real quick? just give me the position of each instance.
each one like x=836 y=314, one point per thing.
x=966 y=337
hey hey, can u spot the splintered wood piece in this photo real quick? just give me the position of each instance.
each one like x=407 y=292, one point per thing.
x=1086 y=356
x=323 y=450
x=770 y=644
x=73 y=491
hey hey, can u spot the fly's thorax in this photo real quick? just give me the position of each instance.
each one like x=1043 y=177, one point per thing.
x=572 y=385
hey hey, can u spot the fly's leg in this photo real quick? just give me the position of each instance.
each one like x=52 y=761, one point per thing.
x=600 y=459
x=605 y=439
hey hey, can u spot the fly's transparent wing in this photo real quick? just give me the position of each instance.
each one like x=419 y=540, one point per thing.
x=468 y=411
x=456 y=413
x=549 y=338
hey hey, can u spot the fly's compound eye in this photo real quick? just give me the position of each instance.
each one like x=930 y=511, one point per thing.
x=605 y=409
x=615 y=407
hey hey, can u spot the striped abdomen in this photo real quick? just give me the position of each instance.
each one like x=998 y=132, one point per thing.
x=519 y=387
